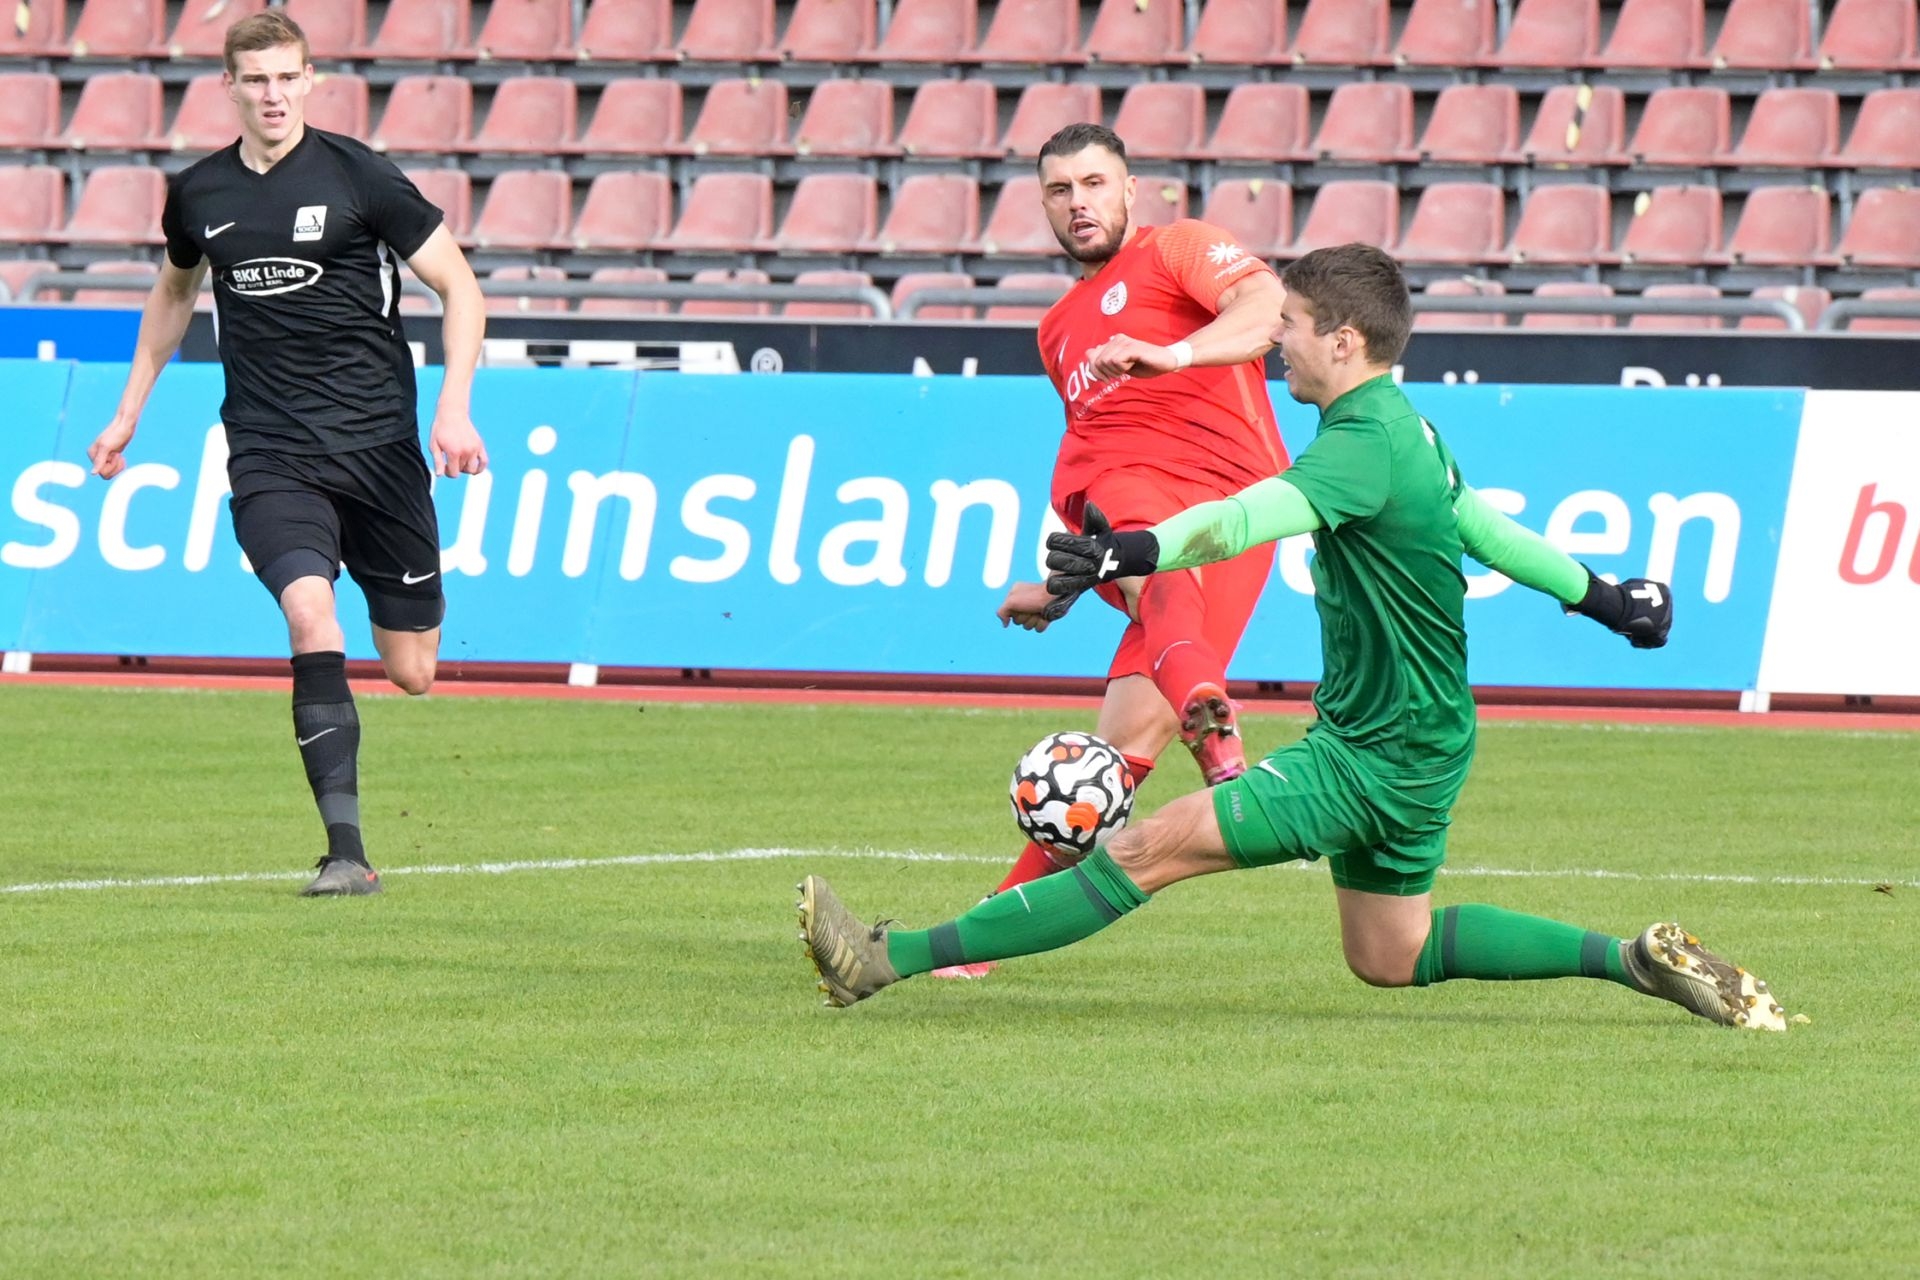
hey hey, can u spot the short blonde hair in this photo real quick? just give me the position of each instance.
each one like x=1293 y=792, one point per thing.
x=268 y=30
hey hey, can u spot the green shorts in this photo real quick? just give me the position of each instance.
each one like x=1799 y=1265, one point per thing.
x=1316 y=798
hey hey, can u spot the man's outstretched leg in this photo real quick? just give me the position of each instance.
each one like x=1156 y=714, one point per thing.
x=326 y=728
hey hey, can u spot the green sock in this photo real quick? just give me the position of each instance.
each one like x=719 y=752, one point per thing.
x=1040 y=915
x=1476 y=941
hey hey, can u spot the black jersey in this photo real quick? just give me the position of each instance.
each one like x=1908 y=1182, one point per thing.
x=306 y=289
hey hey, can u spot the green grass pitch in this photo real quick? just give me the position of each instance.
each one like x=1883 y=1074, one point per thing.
x=624 y=1069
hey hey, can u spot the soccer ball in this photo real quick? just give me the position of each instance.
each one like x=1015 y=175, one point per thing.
x=1070 y=792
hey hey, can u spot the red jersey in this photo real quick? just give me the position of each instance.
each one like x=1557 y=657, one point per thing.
x=1212 y=426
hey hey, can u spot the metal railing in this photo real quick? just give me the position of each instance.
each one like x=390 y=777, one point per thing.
x=1628 y=305
x=1839 y=315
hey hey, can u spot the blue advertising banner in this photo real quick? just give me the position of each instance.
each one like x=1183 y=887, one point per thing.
x=70 y=333
x=862 y=523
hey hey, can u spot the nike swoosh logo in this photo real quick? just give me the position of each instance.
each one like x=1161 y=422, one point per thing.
x=214 y=231
x=1275 y=772
x=411 y=580
x=316 y=737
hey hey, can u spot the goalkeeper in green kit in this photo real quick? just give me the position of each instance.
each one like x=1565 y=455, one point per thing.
x=1371 y=786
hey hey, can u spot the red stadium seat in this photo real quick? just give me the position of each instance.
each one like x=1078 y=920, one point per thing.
x=951 y=118
x=741 y=118
x=1457 y=222
x=1156 y=200
x=29 y=110
x=531 y=115
x=526 y=209
x=1668 y=34
x=1018 y=226
x=1578 y=125
x=121 y=29
x=635 y=118
x=1673 y=226
x=1791 y=128
x=829 y=31
x=436 y=30
x=503 y=305
x=1344 y=211
x=1887 y=324
x=114 y=297
x=847 y=118
x=914 y=281
x=1772 y=34
x=450 y=191
x=1686 y=127
x=829 y=213
x=44 y=34
x=830 y=310
x=15 y=272
x=628 y=211
x=1870 y=35
x=1447 y=33
x=1690 y=292
x=929 y=31
x=201 y=31
x=1368 y=122
x=1347 y=33
x=1564 y=224
x=1025 y=282
x=1163 y=120
x=1884 y=230
x=1137 y=31
x=627 y=306
x=335 y=28
x=1461 y=287
x=1262 y=122
x=1783 y=226
x=931 y=213
x=627 y=31
x=1257 y=212
x=527 y=31
x=715 y=275
x=728 y=31
x=207 y=119
x=1552 y=33
x=1570 y=289
x=1473 y=124
x=1027 y=31
x=1045 y=109
x=118 y=111
x=1808 y=300
x=725 y=212
x=1240 y=33
x=1886 y=133
x=119 y=205
x=426 y=113
x=339 y=104
x=33 y=202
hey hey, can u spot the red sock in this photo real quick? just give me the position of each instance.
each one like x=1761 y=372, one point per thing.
x=1140 y=768
x=1034 y=861
x=1174 y=613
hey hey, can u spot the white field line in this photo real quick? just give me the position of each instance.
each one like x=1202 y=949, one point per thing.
x=883 y=855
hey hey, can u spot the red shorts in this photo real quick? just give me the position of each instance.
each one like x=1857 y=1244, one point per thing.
x=1136 y=499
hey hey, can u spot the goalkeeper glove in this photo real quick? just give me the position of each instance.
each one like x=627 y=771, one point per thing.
x=1639 y=609
x=1096 y=554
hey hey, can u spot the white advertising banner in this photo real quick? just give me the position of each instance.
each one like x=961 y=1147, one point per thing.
x=1846 y=597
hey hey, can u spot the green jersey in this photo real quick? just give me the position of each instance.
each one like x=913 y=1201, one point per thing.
x=1387 y=581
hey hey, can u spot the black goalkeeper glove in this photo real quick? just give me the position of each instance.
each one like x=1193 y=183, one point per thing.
x=1096 y=554
x=1639 y=609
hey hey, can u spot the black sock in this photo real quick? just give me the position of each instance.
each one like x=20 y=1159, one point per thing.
x=327 y=729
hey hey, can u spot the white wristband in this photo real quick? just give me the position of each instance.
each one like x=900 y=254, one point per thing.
x=1182 y=354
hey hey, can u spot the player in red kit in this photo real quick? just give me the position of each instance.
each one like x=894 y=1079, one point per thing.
x=1157 y=356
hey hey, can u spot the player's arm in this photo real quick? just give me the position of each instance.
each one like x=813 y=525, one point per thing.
x=163 y=323
x=1202 y=534
x=1638 y=609
x=1249 y=315
x=457 y=447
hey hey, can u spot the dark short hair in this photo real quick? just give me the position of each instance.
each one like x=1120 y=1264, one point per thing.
x=1360 y=286
x=1075 y=138
x=265 y=30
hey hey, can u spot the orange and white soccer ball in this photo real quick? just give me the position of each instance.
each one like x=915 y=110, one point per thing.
x=1071 y=792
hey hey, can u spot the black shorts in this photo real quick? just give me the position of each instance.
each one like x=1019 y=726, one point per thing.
x=301 y=515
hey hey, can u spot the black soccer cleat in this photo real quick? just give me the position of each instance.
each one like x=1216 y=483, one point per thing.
x=342 y=878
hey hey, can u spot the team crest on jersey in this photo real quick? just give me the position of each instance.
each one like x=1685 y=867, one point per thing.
x=310 y=223
x=1114 y=299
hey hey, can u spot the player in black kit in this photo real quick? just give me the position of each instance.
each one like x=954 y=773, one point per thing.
x=304 y=231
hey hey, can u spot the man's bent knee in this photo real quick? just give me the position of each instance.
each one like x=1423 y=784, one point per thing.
x=1381 y=971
